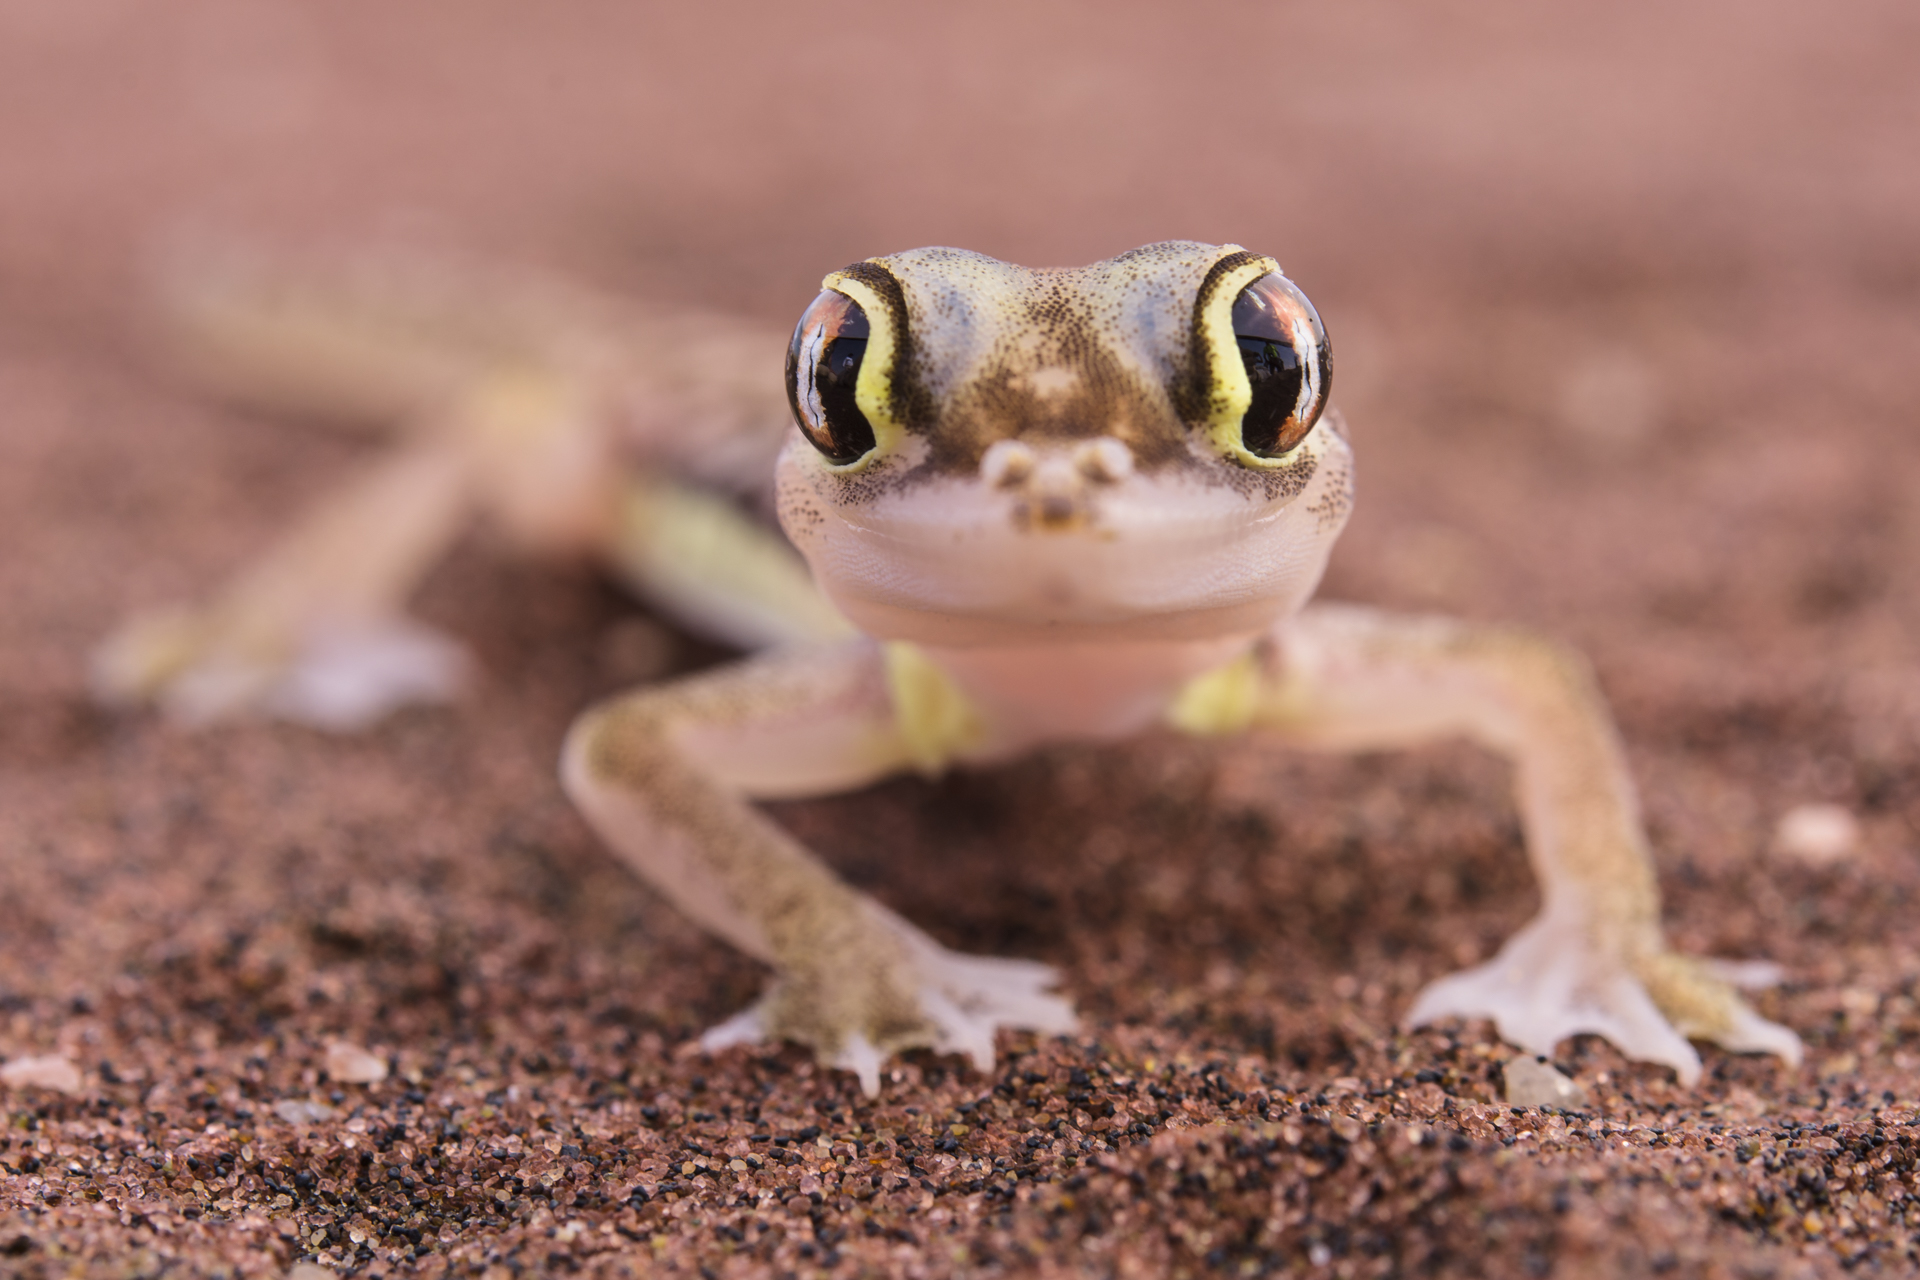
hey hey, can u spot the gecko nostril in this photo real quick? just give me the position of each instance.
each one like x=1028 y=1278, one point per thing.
x=1104 y=461
x=1057 y=509
x=1006 y=463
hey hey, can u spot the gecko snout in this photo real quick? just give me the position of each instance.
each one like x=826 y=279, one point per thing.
x=1052 y=486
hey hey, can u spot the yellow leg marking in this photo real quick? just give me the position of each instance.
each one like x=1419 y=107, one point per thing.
x=936 y=721
x=1219 y=702
x=704 y=558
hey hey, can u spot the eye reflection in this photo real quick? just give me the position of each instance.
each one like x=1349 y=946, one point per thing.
x=1288 y=361
x=823 y=370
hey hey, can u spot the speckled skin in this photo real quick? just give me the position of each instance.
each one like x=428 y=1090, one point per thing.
x=1057 y=535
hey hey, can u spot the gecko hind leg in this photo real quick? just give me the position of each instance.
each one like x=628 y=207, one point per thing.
x=313 y=630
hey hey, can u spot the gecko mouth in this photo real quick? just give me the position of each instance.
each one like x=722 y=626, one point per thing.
x=1153 y=556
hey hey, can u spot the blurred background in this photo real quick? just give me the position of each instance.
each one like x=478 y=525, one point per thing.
x=1595 y=240
x=732 y=149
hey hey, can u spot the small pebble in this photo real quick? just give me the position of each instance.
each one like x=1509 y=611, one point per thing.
x=1817 y=834
x=1534 y=1082
x=350 y=1064
x=296 y=1111
x=50 y=1071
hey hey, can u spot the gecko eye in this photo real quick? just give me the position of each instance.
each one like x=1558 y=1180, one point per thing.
x=1288 y=361
x=823 y=366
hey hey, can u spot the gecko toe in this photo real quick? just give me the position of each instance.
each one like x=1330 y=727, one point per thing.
x=859 y=1055
x=746 y=1027
x=1748 y=975
x=1748 y=1032
x=346 y=678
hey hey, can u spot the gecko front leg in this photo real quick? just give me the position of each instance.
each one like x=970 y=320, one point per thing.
x=664 y=775
x=1594 y=959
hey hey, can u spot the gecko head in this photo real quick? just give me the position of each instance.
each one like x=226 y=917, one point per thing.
x=985 y=453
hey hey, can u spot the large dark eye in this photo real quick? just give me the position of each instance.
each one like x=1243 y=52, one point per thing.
x=823 y=364
x=1288 y=362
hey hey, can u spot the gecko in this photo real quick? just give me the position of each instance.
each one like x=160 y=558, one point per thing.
x=1021 y=507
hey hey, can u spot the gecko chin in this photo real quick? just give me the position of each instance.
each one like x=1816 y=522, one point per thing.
x=1165 y=557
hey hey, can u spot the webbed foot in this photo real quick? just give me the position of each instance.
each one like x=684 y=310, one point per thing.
x=1550 y=982
x=342 y=678
x=915 y=994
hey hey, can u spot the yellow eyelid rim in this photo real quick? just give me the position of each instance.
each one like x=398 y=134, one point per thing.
x=1232 y=392
x=873 y=391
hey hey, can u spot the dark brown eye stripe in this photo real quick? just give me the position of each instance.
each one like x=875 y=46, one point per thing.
x=1196 y=388
x=1211 y=283
x=912 y=406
